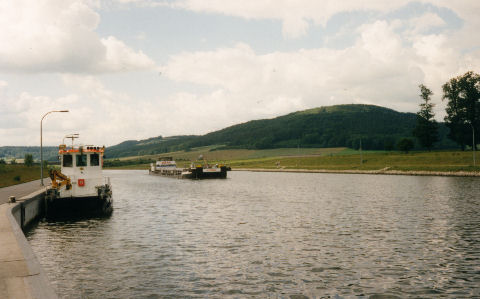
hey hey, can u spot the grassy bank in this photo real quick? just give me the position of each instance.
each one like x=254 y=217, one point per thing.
x=417 y=161
x=183 y=158
x=322 y=159
x=17 y=174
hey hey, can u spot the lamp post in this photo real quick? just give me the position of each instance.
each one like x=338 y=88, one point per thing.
x=473 y=140
x=41 y=143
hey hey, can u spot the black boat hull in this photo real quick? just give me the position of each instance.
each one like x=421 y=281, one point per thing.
x=199 y=173
x=78 y=207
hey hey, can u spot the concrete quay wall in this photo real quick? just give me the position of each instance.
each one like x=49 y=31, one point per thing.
x=29 y=209
x=21 y=275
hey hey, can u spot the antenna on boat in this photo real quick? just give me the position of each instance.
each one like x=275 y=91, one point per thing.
x=71 y=136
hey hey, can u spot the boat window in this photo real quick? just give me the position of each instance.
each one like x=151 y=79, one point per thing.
x=94 y=160
x=67 y=161
x=81 y=160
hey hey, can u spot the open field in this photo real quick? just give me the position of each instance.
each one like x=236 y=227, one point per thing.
x=417 y=161
x=18 y=173
x=325 y=159
x=210 y=153
x=183 y=158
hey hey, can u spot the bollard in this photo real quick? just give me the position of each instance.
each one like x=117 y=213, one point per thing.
x=12 y=199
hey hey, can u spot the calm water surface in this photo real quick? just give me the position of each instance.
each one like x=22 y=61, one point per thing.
x=270 y=235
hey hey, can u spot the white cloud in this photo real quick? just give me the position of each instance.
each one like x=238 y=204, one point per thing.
x=297 y=15
x=383 y=67
x=380 y=41
x=59 y=36
x=426 y=22
x=105 y=117
x=294 y=14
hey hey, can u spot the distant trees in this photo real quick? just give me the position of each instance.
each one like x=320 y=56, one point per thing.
x=426 y=129
x=463 y=107
x=28 y=160
x=405 y=145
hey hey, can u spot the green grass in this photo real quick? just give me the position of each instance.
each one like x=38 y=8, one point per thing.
x=415 y=161
x=327 y=159
x=133 y=166
x=17 y=174
x=234 y=154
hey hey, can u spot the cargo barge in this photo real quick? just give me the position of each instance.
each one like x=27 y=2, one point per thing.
x=197 y=170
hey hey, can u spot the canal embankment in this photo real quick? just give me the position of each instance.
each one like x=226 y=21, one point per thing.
x=384 y=171
x=21 y=275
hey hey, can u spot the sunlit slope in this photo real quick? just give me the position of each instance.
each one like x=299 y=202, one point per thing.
x=377 y=128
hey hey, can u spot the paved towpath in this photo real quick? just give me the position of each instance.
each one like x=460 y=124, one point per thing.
x=20 y=190
x=21 y=276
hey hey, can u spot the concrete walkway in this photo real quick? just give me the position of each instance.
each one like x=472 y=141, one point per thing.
x=20 y=190
x=21 y=276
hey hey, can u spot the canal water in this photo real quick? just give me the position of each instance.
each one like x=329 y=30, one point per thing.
x=271 y=235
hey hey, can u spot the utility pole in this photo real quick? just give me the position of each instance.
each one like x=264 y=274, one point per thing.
x=473 y=141
x=361 y=155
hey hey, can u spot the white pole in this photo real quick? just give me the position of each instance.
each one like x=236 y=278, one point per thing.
x=473 y=143
x=361 y=155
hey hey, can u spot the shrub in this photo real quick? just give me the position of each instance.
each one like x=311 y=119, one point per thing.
x=28 y=160
x=405 y=145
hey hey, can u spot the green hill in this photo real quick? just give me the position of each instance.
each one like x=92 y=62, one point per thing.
x=151 y=146
x=50 y=153
x=377 y=128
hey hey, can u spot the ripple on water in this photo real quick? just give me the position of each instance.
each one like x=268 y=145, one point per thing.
x=271 y=235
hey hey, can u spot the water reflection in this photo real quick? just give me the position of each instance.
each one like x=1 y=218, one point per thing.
x=272 y=235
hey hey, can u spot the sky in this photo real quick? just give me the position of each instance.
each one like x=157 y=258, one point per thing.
x=135 y=69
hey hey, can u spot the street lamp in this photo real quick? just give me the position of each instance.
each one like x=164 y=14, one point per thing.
x=473 y=140
x=41 y=143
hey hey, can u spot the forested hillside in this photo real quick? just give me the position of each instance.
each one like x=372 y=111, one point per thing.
x=377 y=128
x=334 y=126
x=154 y=145
x=50 y=153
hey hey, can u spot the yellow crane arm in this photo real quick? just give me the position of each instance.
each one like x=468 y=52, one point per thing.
x=59 y=180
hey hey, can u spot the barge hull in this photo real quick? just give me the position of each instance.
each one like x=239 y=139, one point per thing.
x=200 y=173
x=77 y=207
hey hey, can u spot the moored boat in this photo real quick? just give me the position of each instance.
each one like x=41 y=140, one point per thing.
x=205 y=171
x=79 y=188
x=197 y=170
x=165 y=167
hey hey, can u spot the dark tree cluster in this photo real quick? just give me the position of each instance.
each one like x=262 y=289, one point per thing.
x=426 y=130
x=463 y=107
x=463 y=112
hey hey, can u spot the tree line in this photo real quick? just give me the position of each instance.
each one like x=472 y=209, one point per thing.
x=462 y=94
x=368 y=126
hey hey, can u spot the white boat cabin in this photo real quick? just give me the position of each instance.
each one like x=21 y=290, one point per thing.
x=164 y=164
x=83 y=165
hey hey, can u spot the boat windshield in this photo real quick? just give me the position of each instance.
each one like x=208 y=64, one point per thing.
x=81 y=160
x=94 y=160
x=67 y=161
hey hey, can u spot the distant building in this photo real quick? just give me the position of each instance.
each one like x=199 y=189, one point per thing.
x=17 y=161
